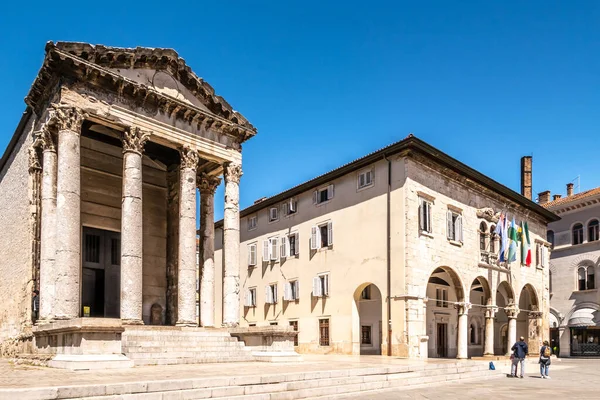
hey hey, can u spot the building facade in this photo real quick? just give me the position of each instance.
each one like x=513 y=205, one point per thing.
x=574 y=295
x=394 y=254
x=98 y=188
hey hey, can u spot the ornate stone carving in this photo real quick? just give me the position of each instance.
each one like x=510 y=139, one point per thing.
x=208 y=184
x=34 y=157
x=233 y=172
x=189 y=158
x=134 y=140
x=490 y=311
x=46 y=139
x=67 y=118
x=488 y=214
x=512 y=312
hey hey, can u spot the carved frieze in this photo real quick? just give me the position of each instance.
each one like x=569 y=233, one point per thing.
x=189 y=158
x=134 y=140
x=208 y=184
x=233 y=172
x=488 y=214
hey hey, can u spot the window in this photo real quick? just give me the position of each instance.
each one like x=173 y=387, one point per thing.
x=593 y=231
x=271 y=294
x=251 y=297
x=273 y=214
x=577 y=234
x=321 y=236
x=92 y=248
x=365 y=179
x=321 y=285
x=550 y=238
x=252 y=254
x=291 y=291
x=454 y=226
x=482 y=235
x=493 y=238
x=324 y=332
x=290 y=207
x=441 y=298
x=289 y=245
x=252 y=222
x=323 y=195
x=366 y=293
x=365 y=335
x=538 y=255
x=270 y=247
x=251 y=324
x=425 y=216
x=294 y=325
x=586 y=278
x=273 y=323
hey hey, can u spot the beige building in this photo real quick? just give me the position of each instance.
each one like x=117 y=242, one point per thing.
x=574 y=295
x=394 y=254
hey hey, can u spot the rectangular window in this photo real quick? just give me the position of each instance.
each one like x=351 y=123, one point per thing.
x=92 y=248
x=323 y=195
x=365 y=337
x=365 y=179
x=321 y=285
x=441 y=297
x=274 y=323
x=270 y=247
x=292 y=291
x=424 y=216
x=252 y=222
x=290 y=207
x=294 y=325
x=271 y=294
x=454 y=226
x=273 y=214
x=321 y=236
x=251 y=297
x=324 y=332
x=366 y=293
x=252 y=254
x=289 y=245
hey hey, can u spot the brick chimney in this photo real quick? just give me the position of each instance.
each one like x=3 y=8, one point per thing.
x=544 y=197
x=556 y=197
x=569 y=189
x=526 y=163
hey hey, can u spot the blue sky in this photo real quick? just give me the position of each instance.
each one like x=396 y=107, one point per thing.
x=326 y=82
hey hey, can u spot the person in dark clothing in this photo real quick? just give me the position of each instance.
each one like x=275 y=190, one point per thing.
x=35 y=306
x=545 y=353
x=520 y=351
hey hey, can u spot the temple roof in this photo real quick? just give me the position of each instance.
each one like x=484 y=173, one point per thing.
x=63 y=58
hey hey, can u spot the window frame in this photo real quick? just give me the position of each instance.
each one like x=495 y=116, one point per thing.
x=288 y=205
x=425 y=219
x=251 y=292
x=292 y=290
x=596 y=230
x=252 y=226
x=580 y=229
x=589 y=278
x=329 y=189
x=324 y=340
x=441 y=301
x=362 y=337
x=454 y=226
x=252 y=263
x=271 y=293
x=324 y=285
x=316 y=240
x=365 y=294
x=273 y=217
x=364 y=173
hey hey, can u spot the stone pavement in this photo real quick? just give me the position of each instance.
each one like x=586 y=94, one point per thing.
x=570 y=379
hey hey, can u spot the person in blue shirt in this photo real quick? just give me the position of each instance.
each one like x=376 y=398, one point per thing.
x=520 y=351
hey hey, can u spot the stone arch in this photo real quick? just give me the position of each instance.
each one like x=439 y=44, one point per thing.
x=367 y=312
x=482 y=282
x=533 y=295
x=507 y=292
x=456 y=281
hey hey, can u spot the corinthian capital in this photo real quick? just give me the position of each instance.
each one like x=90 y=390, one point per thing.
x=208 y=184
x=46 y=139
x=134 y=140
x=189 y=158
x=233 y=172
x=67 y=118
x=34 y=157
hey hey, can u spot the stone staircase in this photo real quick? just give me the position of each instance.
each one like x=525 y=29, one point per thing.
x=322 y=385
x=178 y=345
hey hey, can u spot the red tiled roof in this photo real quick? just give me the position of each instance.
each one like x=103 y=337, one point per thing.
x=572 y=198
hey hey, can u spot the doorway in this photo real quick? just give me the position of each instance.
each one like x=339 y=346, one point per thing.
x=555 y=341
x=442 y=340
x=101 y=273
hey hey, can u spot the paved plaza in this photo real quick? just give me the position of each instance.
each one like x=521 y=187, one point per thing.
x=570 y=379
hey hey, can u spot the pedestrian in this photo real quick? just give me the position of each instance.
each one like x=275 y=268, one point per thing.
x=35 y=305
x=545 y=353
x=520 y=351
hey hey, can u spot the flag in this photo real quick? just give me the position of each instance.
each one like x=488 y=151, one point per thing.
x=500 y=231
x=512 y=245
x=525 y=249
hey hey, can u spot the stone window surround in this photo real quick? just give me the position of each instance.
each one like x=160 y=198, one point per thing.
x=364 y=172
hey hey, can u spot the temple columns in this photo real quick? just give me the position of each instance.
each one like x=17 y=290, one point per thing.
x=512 y=328
x=231 y=246
x=131 y=227
x=489 y=332
x=48 y=222
x=207 y=186
x=463 y=321
x=186 y=279
x=68 y=213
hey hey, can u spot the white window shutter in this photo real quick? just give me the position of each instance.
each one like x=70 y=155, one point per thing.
x=296 y=244
x=285 y=246
x=274 y=287
x=286 y=208
x=248 y=296
x=371 y=177
x=266 y=250
x=315 y=196
x=459 y=228
x=314 y=242
x=326 y=285
x=449 y=225
x=252 y=254
x=287 y=292
x=421 y=216
x=329 y=233
x=293 y=204
x=428 y=217
x=330 y=192
x=274 y=245
x=297 y=287
x=317 y=288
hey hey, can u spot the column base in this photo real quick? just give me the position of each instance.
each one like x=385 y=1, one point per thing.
x=132 y=322
x=186 y=323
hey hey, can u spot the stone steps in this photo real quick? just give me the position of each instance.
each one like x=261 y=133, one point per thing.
x=333 y=384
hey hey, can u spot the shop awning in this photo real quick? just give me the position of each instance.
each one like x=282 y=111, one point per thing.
x=583 y=317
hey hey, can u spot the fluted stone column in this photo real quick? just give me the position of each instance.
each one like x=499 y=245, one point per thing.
x=512 y=315
x=48 y=220
x=186 y=280
x=463 y=321
x=207 y=186
x=131 y=227
x=68 y=121
x=490 y=313
x=231 y=246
